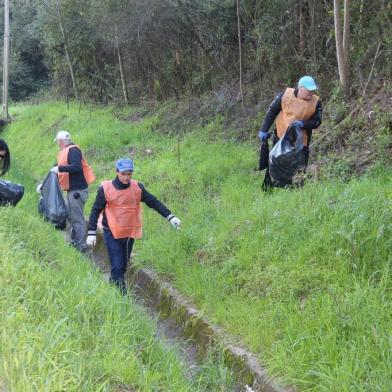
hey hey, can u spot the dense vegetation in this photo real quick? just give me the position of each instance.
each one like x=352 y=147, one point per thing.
x=301 y=277
x=116 y=51
x=64 y=329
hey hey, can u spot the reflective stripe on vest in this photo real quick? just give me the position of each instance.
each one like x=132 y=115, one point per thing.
x=123 y=210
x=293 y=109
x=62 y=160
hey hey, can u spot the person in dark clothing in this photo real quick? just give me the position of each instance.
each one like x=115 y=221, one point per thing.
x=119 y=201
x=74 y=176
x=294 y=106
x=5 y=157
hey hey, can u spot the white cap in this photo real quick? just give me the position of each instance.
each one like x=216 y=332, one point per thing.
x=62 y=135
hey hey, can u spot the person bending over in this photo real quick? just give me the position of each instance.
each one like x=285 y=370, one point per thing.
x=119 y=201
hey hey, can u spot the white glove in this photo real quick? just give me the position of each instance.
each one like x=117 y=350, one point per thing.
x=55 y=169
x=174 y=221
x=39 y=188
x=91 y=240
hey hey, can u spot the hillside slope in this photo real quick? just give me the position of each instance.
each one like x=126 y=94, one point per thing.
x=302 y=277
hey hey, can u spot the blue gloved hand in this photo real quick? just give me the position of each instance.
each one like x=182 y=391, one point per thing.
x=263 y=135
x=298 y=124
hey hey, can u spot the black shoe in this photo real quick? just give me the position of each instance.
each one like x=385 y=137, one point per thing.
x=120 y=285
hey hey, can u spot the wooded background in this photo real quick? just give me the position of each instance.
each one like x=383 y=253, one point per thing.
x=123 y=51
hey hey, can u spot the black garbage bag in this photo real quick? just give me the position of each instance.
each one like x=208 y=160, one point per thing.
x=10 y=193
x=287 y=158
x=52 y=205
x=264 y=153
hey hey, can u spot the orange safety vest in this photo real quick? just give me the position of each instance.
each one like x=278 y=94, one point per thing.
x=123 y=210
x=293 y=109
x=62 y=160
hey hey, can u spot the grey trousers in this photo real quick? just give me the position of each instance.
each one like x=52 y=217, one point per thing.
x=76 y=200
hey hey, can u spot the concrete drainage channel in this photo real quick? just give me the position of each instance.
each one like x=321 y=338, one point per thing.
x=180 y=322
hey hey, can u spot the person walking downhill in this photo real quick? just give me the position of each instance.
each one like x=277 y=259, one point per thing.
x=5 y=158
x=294 y=106
x=74 y=175
x=120 y=201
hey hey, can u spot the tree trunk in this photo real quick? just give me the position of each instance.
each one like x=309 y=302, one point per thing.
x=312 y=11
x=301 y=29
x=342 y=43
x=66 y=50
x=361 y=9
x=240 y=50
x=346 y=39
x=120 y=63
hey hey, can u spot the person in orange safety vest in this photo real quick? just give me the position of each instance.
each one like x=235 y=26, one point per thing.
x=119 y=201
x=74 y=175
x=298 y=106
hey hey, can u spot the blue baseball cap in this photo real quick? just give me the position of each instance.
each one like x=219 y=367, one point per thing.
x=124 y=165
x=308 y=83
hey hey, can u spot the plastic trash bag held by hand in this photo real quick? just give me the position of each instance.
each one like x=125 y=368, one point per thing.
x=52 y=204
x=287 y=157
x=10 y=193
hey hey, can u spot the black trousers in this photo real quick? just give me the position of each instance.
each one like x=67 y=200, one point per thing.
x=119 y=251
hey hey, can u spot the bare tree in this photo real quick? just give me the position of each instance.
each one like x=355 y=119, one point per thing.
x=343 y=43
x=120 y=64
x=240 y=49
x=65 y=42
x=301 y=29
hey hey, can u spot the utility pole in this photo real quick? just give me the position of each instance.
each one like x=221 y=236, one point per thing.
x=6 y=57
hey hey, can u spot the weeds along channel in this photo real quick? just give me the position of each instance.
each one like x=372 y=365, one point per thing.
x=64 y=328
x=302 y=277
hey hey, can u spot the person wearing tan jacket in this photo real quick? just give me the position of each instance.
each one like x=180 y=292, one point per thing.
x=294 y=106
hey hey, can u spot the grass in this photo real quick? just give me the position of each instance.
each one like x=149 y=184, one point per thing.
x=302 y=277
x=64 y=329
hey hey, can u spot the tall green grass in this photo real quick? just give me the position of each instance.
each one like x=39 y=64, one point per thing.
x=300 y=276
x=64 y=329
